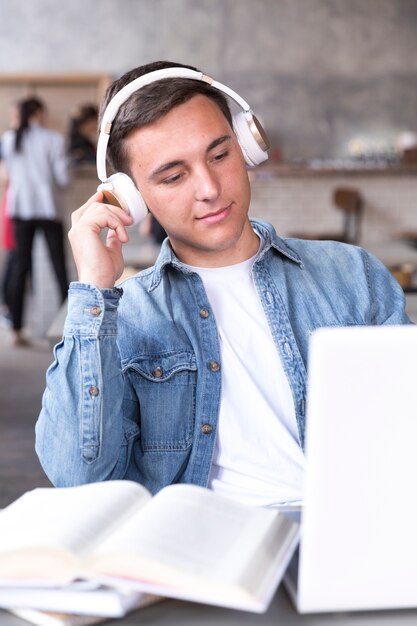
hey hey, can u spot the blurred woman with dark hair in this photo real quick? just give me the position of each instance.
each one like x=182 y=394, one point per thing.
x=36 y=165
x=82 y=144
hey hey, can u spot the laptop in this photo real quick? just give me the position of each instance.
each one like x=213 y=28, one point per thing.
x=358 y=548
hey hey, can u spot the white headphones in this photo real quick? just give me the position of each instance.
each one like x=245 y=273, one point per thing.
x=119 y=189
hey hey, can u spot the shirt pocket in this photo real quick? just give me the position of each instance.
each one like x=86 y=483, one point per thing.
x=165 y=384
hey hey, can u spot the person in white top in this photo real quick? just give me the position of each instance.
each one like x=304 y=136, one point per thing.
x=36 y=165
x=258 y=458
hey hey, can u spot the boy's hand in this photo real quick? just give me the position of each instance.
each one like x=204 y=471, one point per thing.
x=99 y=260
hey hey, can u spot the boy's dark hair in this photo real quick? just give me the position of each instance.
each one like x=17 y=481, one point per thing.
x=150 y=103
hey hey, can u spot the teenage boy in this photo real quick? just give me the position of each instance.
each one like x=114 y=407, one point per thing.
x=195 y=369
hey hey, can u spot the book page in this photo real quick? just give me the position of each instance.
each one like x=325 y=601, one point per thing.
x=190 y=531
x=74 y=519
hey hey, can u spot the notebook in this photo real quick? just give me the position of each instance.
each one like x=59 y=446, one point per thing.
x=358 y=547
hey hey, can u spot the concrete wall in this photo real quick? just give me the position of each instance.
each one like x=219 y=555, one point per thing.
x=316 y=71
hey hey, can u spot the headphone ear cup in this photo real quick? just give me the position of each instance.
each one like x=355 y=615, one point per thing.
x=120 y=190
x=251 y=138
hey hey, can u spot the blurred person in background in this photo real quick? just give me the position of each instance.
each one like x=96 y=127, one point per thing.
x=82 y=140
x=37 y=168
x=8 y=245
x=7 y=237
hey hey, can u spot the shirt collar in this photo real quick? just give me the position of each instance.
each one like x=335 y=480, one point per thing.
x=271 y=240
x=268 y=236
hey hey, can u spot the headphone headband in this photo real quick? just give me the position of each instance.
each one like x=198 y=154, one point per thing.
x=126 y=91
x=120 y=189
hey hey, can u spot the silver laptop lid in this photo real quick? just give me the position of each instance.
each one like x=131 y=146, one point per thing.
x=359 y=524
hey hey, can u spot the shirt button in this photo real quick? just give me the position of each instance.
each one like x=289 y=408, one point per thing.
x=93 y=391
x=214 y=366
x=157 y=373
x=95 y=310
x=206 y=429
x=204 y=313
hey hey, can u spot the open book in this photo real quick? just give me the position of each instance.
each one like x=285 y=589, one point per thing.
x=186 y=542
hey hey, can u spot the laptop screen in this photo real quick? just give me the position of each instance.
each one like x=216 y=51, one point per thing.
x=358 y=539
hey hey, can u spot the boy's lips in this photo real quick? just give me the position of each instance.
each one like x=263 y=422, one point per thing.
x=216 y=216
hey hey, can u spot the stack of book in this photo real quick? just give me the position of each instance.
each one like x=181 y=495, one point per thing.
x=84 y=554
x=80 y=603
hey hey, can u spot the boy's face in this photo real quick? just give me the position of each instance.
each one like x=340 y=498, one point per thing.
x=191 y=172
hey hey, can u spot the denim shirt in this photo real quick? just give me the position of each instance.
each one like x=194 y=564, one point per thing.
x=134 y=390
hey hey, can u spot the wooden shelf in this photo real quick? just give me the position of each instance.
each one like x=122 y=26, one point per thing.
x=290 y=170
x=62 y=94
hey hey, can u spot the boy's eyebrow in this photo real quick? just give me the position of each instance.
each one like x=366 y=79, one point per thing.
x=170 y=164
x=218 y=142
x=164 y=167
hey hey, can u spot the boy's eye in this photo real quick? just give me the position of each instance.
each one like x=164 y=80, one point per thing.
x=171 y=179
x=221 y=155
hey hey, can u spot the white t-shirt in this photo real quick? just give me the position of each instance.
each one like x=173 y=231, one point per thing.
x=257 y=458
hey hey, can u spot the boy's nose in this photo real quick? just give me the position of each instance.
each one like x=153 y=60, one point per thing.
x=207 y=186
